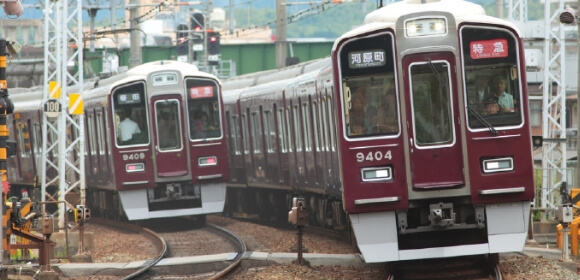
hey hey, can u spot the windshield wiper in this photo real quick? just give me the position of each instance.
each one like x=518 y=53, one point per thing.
x=436 y=73
x=482 y=120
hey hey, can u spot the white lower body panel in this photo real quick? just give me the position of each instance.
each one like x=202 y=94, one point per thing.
x=135 y=204
x=507 y=228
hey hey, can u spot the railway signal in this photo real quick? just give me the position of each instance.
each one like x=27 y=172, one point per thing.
x=297 y=216
x=197 y=27
x=213 y=42
x=81 y=213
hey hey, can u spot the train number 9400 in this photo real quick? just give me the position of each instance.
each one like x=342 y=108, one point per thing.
x=373 y=156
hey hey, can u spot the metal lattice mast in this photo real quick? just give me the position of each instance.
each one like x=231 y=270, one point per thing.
x=554 y=106
x=62 y=169
x=518 y=10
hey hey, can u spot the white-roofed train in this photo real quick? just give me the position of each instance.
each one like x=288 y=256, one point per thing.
x=154 y=143
x=390 y=136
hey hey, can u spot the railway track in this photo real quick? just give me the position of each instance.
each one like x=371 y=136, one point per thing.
x=164 y=248
x=471 y=267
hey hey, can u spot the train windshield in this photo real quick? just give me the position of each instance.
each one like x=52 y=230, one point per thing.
x=203 y=105
x=168 y=128
x=369 y=95
x=131 y=127
x=492 y=81
x=371 y=105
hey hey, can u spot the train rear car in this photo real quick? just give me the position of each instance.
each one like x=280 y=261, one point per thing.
x=431 y=167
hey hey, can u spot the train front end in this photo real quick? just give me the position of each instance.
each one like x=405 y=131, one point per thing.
x=430 y=167
x=176 y=165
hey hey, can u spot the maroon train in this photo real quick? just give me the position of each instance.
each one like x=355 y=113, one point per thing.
x=389 y=136
x=175 y=164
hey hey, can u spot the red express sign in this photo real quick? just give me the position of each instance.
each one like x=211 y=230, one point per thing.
x=201 y=92
x=489 y=49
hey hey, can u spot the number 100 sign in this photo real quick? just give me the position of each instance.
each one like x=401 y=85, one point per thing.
x=52 y=108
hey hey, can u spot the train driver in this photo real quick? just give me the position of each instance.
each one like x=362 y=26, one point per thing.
x=491 y=106
x=127 y=127
x=201 y=125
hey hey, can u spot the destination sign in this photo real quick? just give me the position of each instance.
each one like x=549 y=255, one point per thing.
x=366 y=59
x=128 y=98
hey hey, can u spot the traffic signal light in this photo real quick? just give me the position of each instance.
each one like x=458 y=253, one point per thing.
x=213 y=42
x=197 y=27
x=196 y=22
x=87 y=213
x=79 y=213
x=182 y=32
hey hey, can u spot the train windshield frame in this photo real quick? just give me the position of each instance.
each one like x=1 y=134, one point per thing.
x=168 y=124
x=203 y=107
x=492 y=89
x=431 y=101
x=130 y=111
x=369 y=99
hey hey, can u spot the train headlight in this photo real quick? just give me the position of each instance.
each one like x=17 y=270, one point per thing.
x=377 y=173
x=425 y=27
x=207 y=161
x=135 y=167
x=498 y=164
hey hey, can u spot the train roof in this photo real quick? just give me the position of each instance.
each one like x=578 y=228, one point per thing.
x=263 y=89
x=387 y=16
x=25 y=99
x=264 y=77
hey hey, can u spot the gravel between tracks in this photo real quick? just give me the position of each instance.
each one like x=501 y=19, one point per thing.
x=266 y=239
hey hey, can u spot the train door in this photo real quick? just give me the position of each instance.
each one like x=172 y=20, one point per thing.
x=271 y=146
x=318 y=147
x=331 y=141
x=285 y=146
x=257 y=136
x=170 y=154
x=249 y=164
x=435 y=149
x=299 y=129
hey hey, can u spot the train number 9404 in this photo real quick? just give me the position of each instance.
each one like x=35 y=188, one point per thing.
x=374 y=156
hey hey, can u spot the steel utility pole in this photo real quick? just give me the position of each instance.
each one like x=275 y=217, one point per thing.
x=281 y=48
x=554 y=165
x=63 y=150
x=135 y=57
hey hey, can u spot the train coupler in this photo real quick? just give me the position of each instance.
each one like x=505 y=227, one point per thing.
x=441 y=214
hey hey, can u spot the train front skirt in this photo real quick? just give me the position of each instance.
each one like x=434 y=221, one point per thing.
x=136 y=205
x=506 y=224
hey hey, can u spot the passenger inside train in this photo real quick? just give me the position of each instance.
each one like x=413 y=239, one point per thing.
x=372 y=107
x=357 y=116
x=386 y=117
x=500 y=107
x=498 y=89
x=167 y=131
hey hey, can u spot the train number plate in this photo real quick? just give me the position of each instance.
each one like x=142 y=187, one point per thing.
x=374 y=156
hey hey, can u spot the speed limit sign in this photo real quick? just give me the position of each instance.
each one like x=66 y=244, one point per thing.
x=52 y=108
